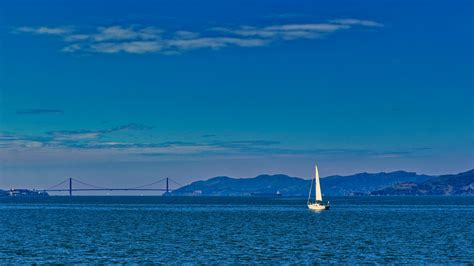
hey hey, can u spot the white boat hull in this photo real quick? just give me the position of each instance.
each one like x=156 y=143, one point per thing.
x=318 y=207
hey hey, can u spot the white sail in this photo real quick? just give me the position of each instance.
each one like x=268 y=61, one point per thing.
x=319 y=196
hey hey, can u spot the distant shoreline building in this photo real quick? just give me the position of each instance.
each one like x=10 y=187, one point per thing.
x=23 y=193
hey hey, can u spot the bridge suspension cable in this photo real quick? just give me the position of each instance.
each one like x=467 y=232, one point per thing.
x=175 y=182
x=90 y=185
x=57 y=185
x=148 y=185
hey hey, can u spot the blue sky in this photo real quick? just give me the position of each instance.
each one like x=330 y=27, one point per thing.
x=192 y=89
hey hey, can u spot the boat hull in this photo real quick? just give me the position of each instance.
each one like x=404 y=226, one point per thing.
x=318 y=207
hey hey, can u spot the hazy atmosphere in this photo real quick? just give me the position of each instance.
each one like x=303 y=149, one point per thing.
x=124 y=93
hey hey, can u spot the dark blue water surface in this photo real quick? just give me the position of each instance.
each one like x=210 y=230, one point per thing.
x=236 y=230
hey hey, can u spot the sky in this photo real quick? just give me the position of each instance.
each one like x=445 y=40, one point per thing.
x=128 y=92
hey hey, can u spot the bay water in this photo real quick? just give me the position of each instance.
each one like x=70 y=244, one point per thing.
x=236 y=230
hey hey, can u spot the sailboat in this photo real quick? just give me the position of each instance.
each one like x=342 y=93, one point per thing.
x=318 y=204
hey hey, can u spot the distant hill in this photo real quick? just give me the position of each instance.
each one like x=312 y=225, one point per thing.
x=459 y=184
x=363 y=183
x=262 y=184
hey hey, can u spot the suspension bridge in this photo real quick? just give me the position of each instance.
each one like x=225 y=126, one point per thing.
x=71 y=185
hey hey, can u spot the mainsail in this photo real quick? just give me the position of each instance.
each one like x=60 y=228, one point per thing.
x=319 y=197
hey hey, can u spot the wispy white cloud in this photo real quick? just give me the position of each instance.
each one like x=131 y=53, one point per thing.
x=319 y=27
x=59 y=136
x=139 y=40
x=72 y=48
x=45 y=30
x=130 y=33
x=133 y=47
x=351 y=21
x=214 y=42
x=76 y=37
x=298 y=31
x=271 y=33
x=78 y=135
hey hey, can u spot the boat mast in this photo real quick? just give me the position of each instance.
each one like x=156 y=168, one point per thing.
x=310 y=189
x=319 y=196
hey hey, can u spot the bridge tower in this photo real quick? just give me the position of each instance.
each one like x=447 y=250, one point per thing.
x=70 y=187
x=167 y=186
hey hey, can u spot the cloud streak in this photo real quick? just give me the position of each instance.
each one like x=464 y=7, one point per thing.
x=351 y=21
x=102 y=144
x=38 y=111
x=150 y=39
x=45 y=30
x=93 y=134
x=68 y=138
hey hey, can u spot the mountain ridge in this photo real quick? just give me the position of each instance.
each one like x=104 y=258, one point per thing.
x=452 y=184
x=336 y=185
